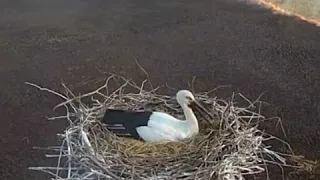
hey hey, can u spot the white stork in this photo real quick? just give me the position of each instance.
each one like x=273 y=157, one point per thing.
x=156 y=126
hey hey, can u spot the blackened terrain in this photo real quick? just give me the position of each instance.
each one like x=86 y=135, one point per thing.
x=220 y=42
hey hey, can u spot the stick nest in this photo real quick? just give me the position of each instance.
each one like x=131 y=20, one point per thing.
x=231 y=150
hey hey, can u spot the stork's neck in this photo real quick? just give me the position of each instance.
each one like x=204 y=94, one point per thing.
x=191 y=119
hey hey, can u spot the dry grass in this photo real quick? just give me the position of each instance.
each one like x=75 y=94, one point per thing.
x=230 y=150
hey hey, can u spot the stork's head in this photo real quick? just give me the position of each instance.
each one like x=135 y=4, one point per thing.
x=185 y=98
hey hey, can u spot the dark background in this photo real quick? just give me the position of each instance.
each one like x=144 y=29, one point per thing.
x=220 y=42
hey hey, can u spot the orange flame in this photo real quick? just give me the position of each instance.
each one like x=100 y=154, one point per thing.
x=277 y=8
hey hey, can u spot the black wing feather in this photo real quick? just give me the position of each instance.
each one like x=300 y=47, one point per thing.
x=124 y=123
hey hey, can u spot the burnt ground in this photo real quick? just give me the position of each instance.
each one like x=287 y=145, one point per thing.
x=219 y=42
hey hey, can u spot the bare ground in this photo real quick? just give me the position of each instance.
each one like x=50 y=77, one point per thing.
x=220 y=42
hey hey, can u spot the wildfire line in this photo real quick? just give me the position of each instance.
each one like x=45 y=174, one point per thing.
x=277 y=8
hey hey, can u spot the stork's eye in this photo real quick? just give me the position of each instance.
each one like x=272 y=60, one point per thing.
x=189 y=98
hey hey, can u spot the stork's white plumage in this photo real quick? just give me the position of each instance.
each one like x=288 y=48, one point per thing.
x=156 y=126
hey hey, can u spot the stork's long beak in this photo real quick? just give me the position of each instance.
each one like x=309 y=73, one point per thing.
x=196 y=105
